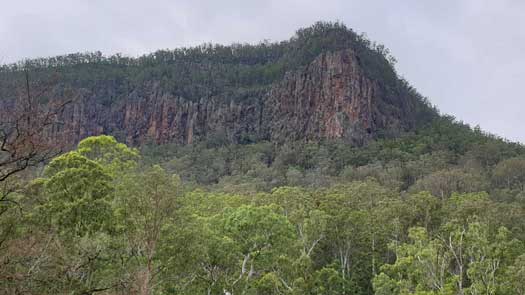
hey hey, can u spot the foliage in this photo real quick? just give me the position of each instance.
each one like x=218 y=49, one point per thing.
x=413 y=215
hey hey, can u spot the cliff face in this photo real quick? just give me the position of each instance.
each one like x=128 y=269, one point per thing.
x=149 y=115
x=330 y=98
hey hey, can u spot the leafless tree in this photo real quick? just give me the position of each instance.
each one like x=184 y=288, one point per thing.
x=24 y=123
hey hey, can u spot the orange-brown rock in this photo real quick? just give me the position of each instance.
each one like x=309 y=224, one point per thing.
x=333 y=99
x=330 y=98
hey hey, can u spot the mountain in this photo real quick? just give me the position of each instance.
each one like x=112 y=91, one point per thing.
x=341 y=178
x=326 y=82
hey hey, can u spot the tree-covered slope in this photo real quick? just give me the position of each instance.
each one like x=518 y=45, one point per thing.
x=438 y=212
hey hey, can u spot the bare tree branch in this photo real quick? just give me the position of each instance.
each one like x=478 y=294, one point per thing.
x=23 y=129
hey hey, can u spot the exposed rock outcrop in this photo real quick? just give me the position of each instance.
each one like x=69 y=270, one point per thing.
x=330 y=98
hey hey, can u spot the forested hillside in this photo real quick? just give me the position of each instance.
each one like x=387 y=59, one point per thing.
x=325 y=82
x=433 y=207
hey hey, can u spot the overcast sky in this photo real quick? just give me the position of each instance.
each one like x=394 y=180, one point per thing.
x=467 y=56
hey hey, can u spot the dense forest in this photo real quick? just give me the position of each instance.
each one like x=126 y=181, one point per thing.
x=201 y=71
x=439 y=210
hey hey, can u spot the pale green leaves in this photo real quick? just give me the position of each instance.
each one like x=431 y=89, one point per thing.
x=79 y=194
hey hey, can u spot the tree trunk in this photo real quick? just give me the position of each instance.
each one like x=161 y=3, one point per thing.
x=145 y=286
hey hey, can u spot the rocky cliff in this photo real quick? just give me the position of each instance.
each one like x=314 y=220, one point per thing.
x=324 y=83
x=330 y=98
